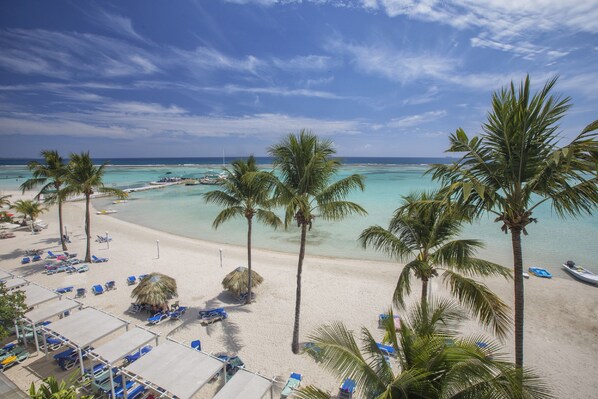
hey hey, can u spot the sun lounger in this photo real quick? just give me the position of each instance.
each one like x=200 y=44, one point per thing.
x=133 y=391
x=347 y=389
x=54 y=343
x=69 y=358
x=313 y=350
x=97 y=289
x=157 y=318
x=64 y=290
x=234 y=364
x=212 y=315
x=95 y=259
x=135 y=308
x=59 y=269
x=387 y=350
x=178 y=313
x=136 y=355
x=18 y=355
x=7 y=348
x=110 y=285
x=80 y=293
x=293 y=383
x=383 y=317
x=131 y=280
x=25 y=260
x=196 y=345
x=51 y=255
x=103 y=239
x=82 y=269
x=142 y=276
x=36 y=258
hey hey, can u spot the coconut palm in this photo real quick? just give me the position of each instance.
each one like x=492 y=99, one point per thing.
x=517 y=164
x=29 y=208
x=245 y=193
x=52 y=389
x=4 y=200
x=50 y=175
x=85 y=178
x=434 y=361
x=423 y=232
x=155 y=289
x=306 y=169
x=237 y=281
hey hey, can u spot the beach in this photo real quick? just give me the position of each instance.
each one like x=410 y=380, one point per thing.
x=561 y=322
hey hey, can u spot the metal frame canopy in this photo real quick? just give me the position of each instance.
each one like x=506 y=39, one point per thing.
x=13 y=283
x=50 y=309
x=245 y=385
x=85 y=327
x=176 y=368
x=35 y=295
x=124 y=344
x=4 y=275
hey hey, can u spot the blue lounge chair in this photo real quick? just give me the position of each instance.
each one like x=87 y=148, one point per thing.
x=142 y=276
x=110 y=285
x=387 y=350
x=133 y=391
x=54 y=343
x=136 y=355
x=178 y=313
x=212 y=315
x=82 y=269
x=313 y=350
x=51 y=255
x=97 y=289
x=293 y=383
x=95 y=259
x=36 y=258
x=64 y=290
x=25 y=260
x=347 y=389
x=157 y=318
x=80 y=293
x=131 y=280
x=196 y=345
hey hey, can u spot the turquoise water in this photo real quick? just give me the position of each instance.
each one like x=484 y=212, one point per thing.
x=182 y=210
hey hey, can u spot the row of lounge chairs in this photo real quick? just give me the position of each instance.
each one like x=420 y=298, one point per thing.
x=212 y=315
x=11 y=354
x=99 y=289
x=69 y=358
x=175 y=314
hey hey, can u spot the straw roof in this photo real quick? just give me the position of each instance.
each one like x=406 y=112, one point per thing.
x=236 y=281
x=155 y=289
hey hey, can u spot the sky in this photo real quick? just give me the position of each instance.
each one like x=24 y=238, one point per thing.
x=199 y=78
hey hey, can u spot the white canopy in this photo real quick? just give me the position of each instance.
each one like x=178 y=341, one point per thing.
x=50 y=309
x=4 y=275
x=85 y=327
x=35 y=295
x=244 y=385
x=13 y=283
x=176 y=368
x=124 y=344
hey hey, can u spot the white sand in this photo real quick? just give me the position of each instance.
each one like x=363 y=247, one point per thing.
x=561 y=314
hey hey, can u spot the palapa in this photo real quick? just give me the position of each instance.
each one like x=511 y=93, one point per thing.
x=155 y=289
x=236 y=281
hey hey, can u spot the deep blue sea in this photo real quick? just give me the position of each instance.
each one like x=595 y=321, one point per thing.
x=182 y=210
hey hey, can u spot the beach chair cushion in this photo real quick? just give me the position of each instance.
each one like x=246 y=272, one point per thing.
x=97 y=289
x=293 y=383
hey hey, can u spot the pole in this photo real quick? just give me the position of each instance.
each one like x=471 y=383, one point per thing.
x=107 y=241
x=35 y=338
x=221 y=257
x=158 y=247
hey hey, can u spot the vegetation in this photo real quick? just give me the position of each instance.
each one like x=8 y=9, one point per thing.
x=423 y=233
x=305 y=189
x=245 y=193
x=155 y=289
x=517 y=164
x=52 y=389
x=433 y=361
x=12 y=307
x=29 y=208
x=85 y=178
x=50 y=175
x=4 y=200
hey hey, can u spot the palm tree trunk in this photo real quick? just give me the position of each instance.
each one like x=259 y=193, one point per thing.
x=64 y=248
x=424 y=290
x=295 y=344
x=87 y=230
x=248 y=299
x=519 y=294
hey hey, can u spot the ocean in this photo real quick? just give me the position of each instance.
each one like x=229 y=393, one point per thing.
x=182 y=210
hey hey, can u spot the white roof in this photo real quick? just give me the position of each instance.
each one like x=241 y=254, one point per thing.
x=176 y=368
x=4 y=275
x=50 y=309
x=35 y=295
x=124 y=344
x=244 y=385
x=86 y=326
x=15 y=283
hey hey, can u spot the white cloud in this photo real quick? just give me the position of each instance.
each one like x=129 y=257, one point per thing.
x=416 y=120
x=426 y=97
x=276 y=91
x=304 y=63
x=118 y=24
x=209 y=58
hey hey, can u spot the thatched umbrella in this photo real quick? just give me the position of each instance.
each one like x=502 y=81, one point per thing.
x=155 y=289
x=236 y=281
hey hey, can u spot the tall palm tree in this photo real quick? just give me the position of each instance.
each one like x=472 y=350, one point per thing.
x=306 y=168
x=85 y=178
x=246 y=192
x=4 y=200
x=434 y=362
x=517 y=163
x=50 y=175
x=423 y=232
x=29 y=208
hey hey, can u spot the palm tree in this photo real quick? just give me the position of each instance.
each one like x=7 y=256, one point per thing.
x=423 y=232
x=4 y=200
x=50 y=175
x=29 y=208
x=516 y=165
x=306 y=168
x=245 y=193
x=434 y=362
x=85 y=178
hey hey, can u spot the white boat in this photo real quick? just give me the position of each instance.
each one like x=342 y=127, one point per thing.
x=120 y=201
x=580 y=273
x=106 y=212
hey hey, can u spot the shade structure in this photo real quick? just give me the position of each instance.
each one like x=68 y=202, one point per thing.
x=35 y=295
x=124 y=344
x=245 y=385
x=155 y=289
x=50 y=309
x=85 y=327
x=236 y=281
x=176 y=368
x=14 y=283
x=4 y=275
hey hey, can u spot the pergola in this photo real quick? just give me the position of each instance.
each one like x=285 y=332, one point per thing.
x=176 y=368
x=36 y=295
x=245 y=385
x=83 y=328
x=14 y=283
x=4 y=275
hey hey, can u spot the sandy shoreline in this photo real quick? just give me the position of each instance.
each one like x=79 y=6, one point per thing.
x=561 y=314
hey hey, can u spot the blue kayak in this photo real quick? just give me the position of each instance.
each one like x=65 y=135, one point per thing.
x=539 y=272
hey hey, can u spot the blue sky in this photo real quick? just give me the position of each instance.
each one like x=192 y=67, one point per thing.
x=378 y=77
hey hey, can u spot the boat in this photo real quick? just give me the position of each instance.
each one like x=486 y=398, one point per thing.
x=539 y=272
x=213 y=179
x=167 y=180
x=192 y=182
x=580 y=273
x=106 y=212
x=120 y=201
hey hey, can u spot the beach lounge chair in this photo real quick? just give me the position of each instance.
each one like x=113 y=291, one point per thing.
x=64 y=290
x=157 y=318
x=80 y=293
x=36 y=258
x=196 y=345
x=293 y=383
x=54 y=343
x=51 y=255
x=18 y=355
x=347 y=389
x=82 y=269
x=212 y=315
x=131 y=280
x=25 y=260
x=137 y=354
x=133 y=391
x=95 y=259
x=387 y=350
x=70 y=255
x=135 y=308
x=142 y=276
x=110 y=285
x=7 y=348
x=177 y=313
x=234 y=364
x=97 y=289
